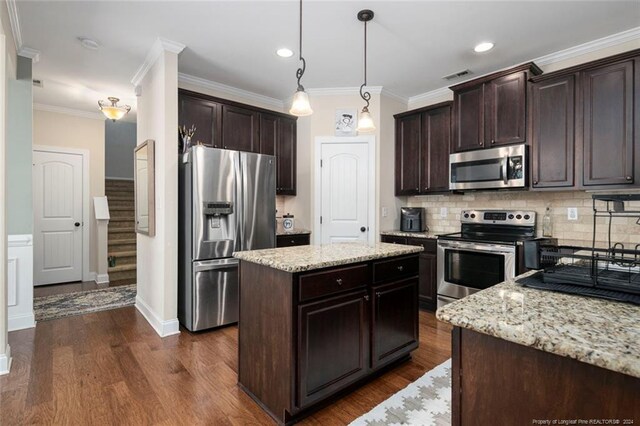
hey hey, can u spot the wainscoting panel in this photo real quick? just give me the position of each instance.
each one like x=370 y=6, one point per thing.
x=20 y=282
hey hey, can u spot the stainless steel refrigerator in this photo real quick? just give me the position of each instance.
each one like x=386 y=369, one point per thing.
x=226 y=204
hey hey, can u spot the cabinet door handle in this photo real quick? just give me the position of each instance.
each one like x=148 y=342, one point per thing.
x=366 y=297
x=293 y=241
x=378 y=294
x=493 y=142
x=339 y=281
x=535 y=182
x=400 y=268
x=629 y=177
x=480 y=143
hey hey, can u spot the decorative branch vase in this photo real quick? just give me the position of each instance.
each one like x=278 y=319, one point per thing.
x=186 y=144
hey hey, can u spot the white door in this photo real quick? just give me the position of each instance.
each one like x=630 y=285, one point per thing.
x=57 y=209
x=344 y=192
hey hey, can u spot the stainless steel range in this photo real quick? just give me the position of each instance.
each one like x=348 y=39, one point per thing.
x=487 y=251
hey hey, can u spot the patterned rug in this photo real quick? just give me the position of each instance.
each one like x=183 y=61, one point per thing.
x=425 y=402
x=83 y=302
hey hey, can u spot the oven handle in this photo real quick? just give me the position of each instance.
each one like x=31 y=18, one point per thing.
x=493 y=248
x=505 y=178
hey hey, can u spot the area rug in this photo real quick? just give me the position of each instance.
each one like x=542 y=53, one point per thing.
x=83 y=302
x=425 y=402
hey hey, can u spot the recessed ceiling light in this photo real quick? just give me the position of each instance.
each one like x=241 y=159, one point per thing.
x=89 y=43
x=284 y=52
x=483 y=47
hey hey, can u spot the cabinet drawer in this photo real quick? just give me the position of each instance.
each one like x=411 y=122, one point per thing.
x=395 y=269
x=393 y=239
x=429 y=244
x=337 y=280
x=292 y=240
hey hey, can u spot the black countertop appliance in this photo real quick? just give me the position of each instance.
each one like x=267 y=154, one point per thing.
x=413 y=219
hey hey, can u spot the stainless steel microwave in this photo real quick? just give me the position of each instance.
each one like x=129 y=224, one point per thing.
x=493 y=168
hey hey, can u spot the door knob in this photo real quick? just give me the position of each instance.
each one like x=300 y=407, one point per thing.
x=362 y=229
x=76 y=224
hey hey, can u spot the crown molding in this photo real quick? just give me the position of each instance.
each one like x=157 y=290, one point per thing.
x=591 y=46
x=159 y=46
x=434 y=95
x=389 y=94
x=14 y=20
x=69 y=111
x=230 y=90
x=30 y=53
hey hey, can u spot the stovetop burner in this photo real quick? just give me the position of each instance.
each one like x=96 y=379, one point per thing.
x=495 y=226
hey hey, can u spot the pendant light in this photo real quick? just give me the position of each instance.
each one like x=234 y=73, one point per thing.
x=365 y=122
x=111 y=110
x=300 y=106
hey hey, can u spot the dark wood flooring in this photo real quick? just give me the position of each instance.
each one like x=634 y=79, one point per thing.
x=51 y=289
x=111 y=367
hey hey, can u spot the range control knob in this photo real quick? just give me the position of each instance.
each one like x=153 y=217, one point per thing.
x=527 y=217
x=511 y=216
x=518 y=216
x=473 y=215
x=466 y=215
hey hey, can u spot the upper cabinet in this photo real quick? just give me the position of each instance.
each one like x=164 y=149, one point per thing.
x=491 y=111
x=423 y=139
x=230 y=125
x=585 y=122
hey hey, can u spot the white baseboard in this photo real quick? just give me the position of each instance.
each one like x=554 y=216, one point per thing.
x=20 y=322
x=102 y=279
x=163 y=328
x=5 y=361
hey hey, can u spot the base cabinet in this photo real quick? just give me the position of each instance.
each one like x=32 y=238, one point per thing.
x=303 y=337
x=290 y=240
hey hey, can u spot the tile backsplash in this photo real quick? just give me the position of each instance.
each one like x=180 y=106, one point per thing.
x=624 y=230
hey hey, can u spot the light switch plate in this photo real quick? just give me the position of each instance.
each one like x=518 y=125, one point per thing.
x=572 y=213
x=444 y=212
x=385 y=212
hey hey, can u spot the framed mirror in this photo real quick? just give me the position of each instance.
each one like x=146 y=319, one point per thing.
x=144 y=175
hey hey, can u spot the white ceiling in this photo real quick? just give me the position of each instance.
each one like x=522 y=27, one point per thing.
x=412 y=44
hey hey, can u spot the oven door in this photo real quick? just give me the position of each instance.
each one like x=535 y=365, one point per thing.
x=465 y=268
x=496 y=168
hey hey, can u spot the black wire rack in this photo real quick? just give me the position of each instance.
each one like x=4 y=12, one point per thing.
x=611 y=272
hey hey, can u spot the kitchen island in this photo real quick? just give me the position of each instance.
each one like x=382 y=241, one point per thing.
x=316 y=321
x=525 y=356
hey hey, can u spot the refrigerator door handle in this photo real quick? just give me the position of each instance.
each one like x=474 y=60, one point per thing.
x=208 y=265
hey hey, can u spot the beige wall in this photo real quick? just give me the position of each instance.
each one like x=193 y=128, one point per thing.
x=157 y=264
x=68 y=131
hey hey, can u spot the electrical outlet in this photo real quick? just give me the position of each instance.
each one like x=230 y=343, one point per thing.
x=385 y=212
x=444 y=212
x=572 y=213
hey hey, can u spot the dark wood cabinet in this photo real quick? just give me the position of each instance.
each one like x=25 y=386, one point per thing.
x=607 y=129
x=205 y=116
x=583 y=125
x=290 y=240
x=423 y=139
x=269 y=133
x=408 y=141
x=240 y=129
x=394 y=320
x=552 y=132
x=427 y=286
x=333 y=345
x=286 y=157
x=492 y=110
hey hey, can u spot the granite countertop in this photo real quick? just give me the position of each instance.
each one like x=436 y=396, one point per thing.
x=305 y=258
x=296 y=231
x=426 y=234
x=595 y=331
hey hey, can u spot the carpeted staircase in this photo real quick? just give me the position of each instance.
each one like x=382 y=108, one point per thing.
x=122 y=235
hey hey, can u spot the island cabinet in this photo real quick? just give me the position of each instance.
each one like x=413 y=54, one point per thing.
x=306 y=336
x=231 y=125
x=585 y=121
x=427 y=289
x=290 y=240
x=423 y=139
x=491 y=111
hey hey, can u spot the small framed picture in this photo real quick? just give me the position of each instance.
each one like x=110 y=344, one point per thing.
x=346 y=122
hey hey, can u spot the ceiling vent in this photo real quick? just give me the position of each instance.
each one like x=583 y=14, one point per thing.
x=456 y=75
x=37 y=83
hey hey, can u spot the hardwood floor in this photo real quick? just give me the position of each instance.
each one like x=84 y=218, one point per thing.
x=111 y=367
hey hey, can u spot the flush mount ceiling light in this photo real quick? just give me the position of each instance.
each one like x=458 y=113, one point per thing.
x=111 y=110
x=483 y=47
x=284 y=52
x=88 y=43
x=365 y=122
x=300 y=106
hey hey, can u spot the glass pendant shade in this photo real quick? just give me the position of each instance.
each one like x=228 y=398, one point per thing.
x=300 y=106
x=365 y=122
x=113 y=111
